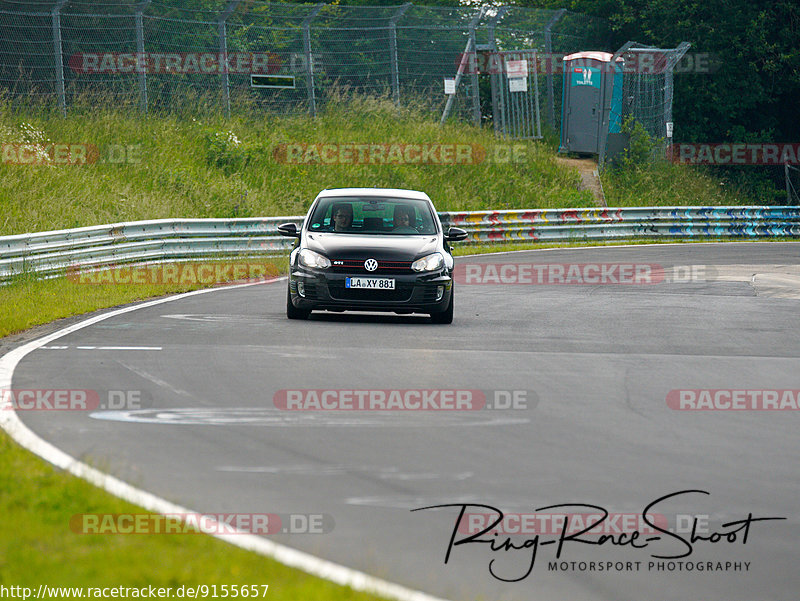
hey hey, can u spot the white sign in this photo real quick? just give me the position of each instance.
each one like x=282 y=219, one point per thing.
x=517 y=69
x=669 y=129
x=449 y=85
x=518 y=84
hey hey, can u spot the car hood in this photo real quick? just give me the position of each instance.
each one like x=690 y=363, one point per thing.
x=387 y=248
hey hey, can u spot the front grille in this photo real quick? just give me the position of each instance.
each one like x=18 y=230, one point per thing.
x=356 y=267
x=401 y=293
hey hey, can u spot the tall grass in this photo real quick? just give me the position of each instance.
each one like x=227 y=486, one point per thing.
x=213 y=167
x=209 y=166
x=668 y=184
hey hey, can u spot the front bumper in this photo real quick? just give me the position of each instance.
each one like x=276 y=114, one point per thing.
x=413 y=293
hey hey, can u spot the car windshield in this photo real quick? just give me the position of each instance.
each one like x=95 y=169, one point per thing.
x=373 y=215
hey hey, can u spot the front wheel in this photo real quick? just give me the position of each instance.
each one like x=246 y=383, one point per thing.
x=293 y=312
x=445 y=316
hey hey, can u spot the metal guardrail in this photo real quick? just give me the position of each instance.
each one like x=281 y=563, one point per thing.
x=534 y=225
x=52 y=253
x=49 y=253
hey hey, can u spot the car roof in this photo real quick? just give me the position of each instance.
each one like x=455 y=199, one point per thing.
x=382 y=192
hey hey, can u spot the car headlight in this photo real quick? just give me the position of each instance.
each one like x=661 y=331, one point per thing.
x=429 y=263
x=308 y=258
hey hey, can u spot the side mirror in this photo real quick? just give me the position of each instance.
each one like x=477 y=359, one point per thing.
x=454 y=234
x=288 y=229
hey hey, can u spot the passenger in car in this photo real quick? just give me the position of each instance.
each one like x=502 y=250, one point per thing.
x=404 y=216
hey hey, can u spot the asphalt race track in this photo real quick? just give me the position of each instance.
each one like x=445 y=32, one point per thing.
x=594 y=366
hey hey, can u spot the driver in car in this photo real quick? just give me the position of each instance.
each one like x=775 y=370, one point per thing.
x=342 y=217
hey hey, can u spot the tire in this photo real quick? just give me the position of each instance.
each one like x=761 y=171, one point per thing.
x=293 y=312
x=445 y=316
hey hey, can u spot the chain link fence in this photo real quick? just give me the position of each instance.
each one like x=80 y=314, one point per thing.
x=648 y=89
x=647 y=95
x=234 y=55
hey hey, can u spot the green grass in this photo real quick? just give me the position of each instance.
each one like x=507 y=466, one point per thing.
x=212 y=167
x=668 y=184
x=38 y=546
x=28 y=301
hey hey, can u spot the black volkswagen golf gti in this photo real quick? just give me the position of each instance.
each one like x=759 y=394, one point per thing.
x=371 y=249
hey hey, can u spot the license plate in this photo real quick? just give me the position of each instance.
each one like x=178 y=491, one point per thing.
x=370 y=283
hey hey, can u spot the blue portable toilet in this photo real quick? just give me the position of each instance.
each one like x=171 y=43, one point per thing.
x=591 y=86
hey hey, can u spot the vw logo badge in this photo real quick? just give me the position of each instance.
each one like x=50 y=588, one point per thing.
x=370 y=265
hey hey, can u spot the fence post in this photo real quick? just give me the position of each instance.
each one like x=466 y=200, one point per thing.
x=393 y=51
x=476 y=92
x=312 y=101
x=58 y=53
x=536 y=96
x=492 y=25
x=140 y=62
x=496 y=80
x=548 y=48
x=674 y=57
x=462 y=65
x=223 y=54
